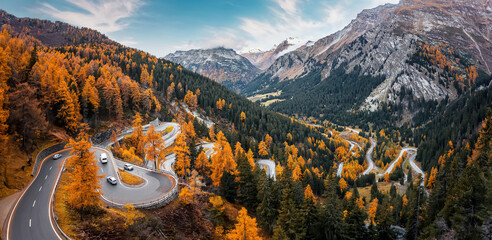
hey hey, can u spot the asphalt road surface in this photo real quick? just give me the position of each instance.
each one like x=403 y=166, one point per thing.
x=31 y=217
x=269 y=165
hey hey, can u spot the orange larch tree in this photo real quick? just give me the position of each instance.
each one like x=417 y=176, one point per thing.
x=268 y=140
x=170 y=91
x=182 y=152
x=202 y=164
x=245 y=228
x=262 y=149
x=191 y=99
x=137 y=138
x=223 y=160
x=4 y=111
x=373 y=208
x=154 y=144
x=343 y=184
x=83 y=190
x=243 y=117
x=431 y=181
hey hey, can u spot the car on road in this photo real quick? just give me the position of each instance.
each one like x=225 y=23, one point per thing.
x=128 y=167
x=112 y=180
x=103 y=158
x=57 y=156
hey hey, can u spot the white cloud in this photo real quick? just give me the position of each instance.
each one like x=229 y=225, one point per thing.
x=130 y=42
x=289 y=6
x=335 y=14
x=103 y=15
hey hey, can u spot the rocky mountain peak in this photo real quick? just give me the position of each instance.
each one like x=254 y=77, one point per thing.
x=385 y=43
x=221 y=64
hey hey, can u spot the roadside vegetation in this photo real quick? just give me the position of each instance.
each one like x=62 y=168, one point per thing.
x=130 y=179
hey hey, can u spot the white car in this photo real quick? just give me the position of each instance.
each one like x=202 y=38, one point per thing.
x=57 y=156
x=128 y=167
x=112 y=180
x=103 y=158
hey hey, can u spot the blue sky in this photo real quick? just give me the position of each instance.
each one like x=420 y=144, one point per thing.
x=164 y=26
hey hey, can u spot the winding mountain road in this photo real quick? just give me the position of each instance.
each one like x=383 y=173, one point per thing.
x=270 y=167
x=368 y=156
x=370 y=162
x=32 y=216
x=392 y=165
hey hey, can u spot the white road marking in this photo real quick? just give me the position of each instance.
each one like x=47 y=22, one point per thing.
x=51 y=167
x=34 y=203
x=29 y=222
x=46 y=177
x=40 y=189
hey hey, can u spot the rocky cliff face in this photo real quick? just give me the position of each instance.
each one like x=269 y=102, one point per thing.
x=399 y=42
x=220 y=64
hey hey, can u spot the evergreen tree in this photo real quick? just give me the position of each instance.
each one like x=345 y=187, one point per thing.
x=267 y=210
x=247 y=183
x=228 y=186
x=384 y=220
x=354 y=220
x=416 y=199
x=333 y=225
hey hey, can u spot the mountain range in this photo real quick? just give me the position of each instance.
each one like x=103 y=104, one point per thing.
x=394 y=54
x=220 y=64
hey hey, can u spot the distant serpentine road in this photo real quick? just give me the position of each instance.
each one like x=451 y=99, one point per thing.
x=369 y=158
x=31 y=216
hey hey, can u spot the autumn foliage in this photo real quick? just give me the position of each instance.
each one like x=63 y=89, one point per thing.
x=82 y=168
x=222 y=160
x=245 y=228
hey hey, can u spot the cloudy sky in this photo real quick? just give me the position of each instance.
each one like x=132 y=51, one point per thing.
x=164 y=26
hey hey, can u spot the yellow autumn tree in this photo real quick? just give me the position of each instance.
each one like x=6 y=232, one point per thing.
x=84 y=188
x=296 y=173
x=170 y=91
x=182 y=152
x=373 y=208
x=431 y=181
x=130 y=215
x=223 y=160
x=211 y=133
x=308 y=193
x=262 y=149
x=191 y=99
x=386 y=177
x=5 y=72
x=279 y=169
x=238 y=150
x=220 y=104
x=360 y=203
x=185 y=195
x=154 y=146
x=343 y=184
x=189 y=131
x=245 y=227
x=202 y=165
x=268 y=140
x=137 y=139
x=243 y=117
x=251 y=160
x=217 y=206
x=289 y=137
x=90 y=95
